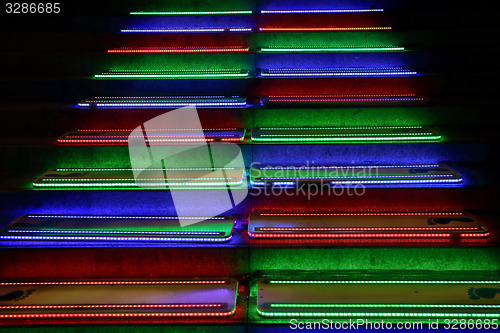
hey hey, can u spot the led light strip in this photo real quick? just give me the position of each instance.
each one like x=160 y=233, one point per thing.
x=361 y=229
x=165 y=74
x=340 y=49
x=340 y=177
x=223 y=12
x=339 y=128
x=93 y=315
x=101 y=306
x=462 y=306
x=134 y=185
x=377 y=314
x=117 y=239
x=169 y=105
x=367 y=214
x=158 y=129
x=347 y=134
x=349 y=96
x=333 y=73
x=363 y=235
x=398 y=181
x=343 y=100
x=389 y=138
x=352 y=167
x=126 y=140
x=126 y=169
x=382 y=282
x=168 y=50
x=174 y=30
x=319 y=11
x=125 y=217
x=305 y=29
x=185 y=233
x=130 y=179
x=73 y=283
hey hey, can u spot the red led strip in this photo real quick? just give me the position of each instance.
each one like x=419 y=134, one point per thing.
x=342 y=96
x=364 y=214
x=212 y=49
x=126 y=140
x=79 y=306
x=346 y=235
x=147 y=314
x=323 y=28
x=475 y=235
x=364 y=229
x=159 y=129
x=109 y=283
x=348 y=100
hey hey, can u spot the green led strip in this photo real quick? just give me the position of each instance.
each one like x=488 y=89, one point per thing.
x=224 y=12
x=402 y=138
x=130 y=184
x=127 y=179
x=346 y=134
x=375 y=314
x=381 y=282
x=337 y=128
x=167 y=74
x=305 y=49
x=279 y=305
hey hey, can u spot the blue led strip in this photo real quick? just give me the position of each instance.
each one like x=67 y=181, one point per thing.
x=193 y=30
x=319 y=11
x=353 y=167
x=413 y=181
x=340 y=177
x=166 y=101
x=185 y=233
x=116 y=239
x=336 y=72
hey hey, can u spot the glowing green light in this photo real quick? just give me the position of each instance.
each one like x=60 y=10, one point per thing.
x=381 y=282
x=173 y=74
x=309 y=49
x=386 y=137
x=376 y=314
x=224 y=12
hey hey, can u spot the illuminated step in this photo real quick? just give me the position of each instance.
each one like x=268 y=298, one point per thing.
x=341 y=99
x=188 y=30
x=190 y=49
x=149 y=179
x=320 y=11
x=382 y=299
x=208 y=12
x=173 y=74
x=318 y=29
x=323 y=49
x=367 y=134
x=114 y=228
x=118 y=299
x=336 y=72
x=332 y=176
x=164 y=102
x=160 y=136
x=373 y=225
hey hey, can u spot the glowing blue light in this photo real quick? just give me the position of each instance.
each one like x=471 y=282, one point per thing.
x=235 y=29
x=458 y=180
x=117 y=232
x=116 y=239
